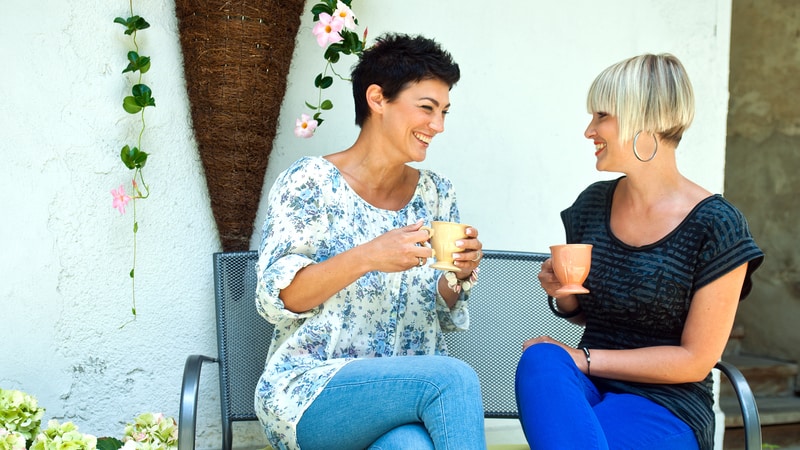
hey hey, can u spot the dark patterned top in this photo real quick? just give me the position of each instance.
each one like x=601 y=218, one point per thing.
x=640 y=296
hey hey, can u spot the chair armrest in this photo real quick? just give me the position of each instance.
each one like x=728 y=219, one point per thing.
x=187 y=415
x=747 y=402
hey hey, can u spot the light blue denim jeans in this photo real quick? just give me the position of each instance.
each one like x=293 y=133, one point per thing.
x=560 y=408
x=403 y=402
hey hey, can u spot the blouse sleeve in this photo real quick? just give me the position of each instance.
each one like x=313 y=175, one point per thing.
x=727 y=246
x=457 y=317
x=291 y=238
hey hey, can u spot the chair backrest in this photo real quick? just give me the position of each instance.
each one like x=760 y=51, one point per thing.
x=243 y=336
x=506 y=307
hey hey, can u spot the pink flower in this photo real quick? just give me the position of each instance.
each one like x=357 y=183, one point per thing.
x=305 y=127
x=346 y=14
x=121 y=199
x=327 y=29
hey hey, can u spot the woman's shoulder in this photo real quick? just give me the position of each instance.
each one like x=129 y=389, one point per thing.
x=718 y=211
x=430 y=178
x=308 y=168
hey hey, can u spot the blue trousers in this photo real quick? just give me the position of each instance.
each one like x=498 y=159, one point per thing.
x=404 y=402
x=560 y=408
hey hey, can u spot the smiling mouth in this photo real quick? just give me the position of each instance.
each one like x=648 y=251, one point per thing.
x=423 y=138
x=599 y=147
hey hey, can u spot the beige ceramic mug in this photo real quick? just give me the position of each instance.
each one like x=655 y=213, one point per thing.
x=571 y=264
x=443 y=242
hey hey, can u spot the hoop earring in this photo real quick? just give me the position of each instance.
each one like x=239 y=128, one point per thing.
x=636 y=152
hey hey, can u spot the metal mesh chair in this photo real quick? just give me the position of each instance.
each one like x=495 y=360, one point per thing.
x=243 y=339
x=502 y=309
x=509 y=306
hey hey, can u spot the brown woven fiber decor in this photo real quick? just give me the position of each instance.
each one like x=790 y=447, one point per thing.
x=236 y=58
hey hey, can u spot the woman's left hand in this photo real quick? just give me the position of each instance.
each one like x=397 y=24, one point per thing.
x=470 y=258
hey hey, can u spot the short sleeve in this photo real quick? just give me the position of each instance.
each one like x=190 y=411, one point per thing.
x=728 y=245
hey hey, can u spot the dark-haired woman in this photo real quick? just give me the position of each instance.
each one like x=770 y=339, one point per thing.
x=358 y=358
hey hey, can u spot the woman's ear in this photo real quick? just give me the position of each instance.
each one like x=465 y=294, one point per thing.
x=375 y=98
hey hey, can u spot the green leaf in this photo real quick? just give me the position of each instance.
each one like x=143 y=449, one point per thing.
x=131 y=274
x=326 y=82
x=310 y=106
x=143 y=95
x=318 y=80
x=136 y=62
x=130 y=105
x=135 y=229
x=132 y=24
x=133 y=158
x=326 y=105
x=332 y=53
x=320 y=8
x=108 y=443
x=126 y=155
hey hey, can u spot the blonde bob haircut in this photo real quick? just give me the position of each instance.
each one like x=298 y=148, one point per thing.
x=648 y=93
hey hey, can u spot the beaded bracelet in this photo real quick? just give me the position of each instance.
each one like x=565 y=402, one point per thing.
x=457 y=285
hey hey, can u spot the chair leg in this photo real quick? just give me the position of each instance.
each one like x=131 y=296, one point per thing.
x=187 y=414
x=747 y=402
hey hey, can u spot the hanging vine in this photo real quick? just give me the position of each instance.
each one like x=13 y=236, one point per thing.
x=133 y=157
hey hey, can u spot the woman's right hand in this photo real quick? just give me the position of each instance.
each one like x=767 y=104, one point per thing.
x=400 y=249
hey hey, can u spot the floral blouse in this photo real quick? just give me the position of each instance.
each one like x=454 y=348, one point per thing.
x=313 y=215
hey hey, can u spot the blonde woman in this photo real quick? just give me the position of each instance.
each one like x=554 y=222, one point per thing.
x=670 y=263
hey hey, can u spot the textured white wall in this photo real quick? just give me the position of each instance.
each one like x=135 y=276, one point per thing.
x=517 y=121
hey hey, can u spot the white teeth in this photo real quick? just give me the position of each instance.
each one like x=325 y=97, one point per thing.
x=423 y=138
x=599 y=146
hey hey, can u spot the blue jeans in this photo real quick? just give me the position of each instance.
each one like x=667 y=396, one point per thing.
x=560 y=408
x=403 y=402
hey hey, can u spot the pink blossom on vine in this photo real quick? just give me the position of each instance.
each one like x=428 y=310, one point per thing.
x=305 y=126
x=120 y=199
x=327 y=29
x=345 y=13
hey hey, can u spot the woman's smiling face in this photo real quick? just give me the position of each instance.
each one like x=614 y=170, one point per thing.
x=417 y=115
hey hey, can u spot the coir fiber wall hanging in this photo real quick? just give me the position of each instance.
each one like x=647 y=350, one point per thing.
x=236 y=59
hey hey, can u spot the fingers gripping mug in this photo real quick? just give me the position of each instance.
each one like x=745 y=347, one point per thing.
x=443 y=242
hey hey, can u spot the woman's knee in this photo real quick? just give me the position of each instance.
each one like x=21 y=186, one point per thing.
x=456 y=372
x=543 y=356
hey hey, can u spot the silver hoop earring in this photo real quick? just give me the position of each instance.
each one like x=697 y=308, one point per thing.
x=636 y=152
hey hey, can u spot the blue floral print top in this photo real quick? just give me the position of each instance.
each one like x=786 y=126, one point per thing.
x=313 y=214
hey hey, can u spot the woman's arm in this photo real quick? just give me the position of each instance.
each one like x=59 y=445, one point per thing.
x=707 y=330
x=394 y=251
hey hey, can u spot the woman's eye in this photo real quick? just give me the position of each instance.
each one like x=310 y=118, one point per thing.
x=427 y=107
x=446 y=112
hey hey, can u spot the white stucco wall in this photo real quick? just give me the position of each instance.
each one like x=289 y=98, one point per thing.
x=513 y=147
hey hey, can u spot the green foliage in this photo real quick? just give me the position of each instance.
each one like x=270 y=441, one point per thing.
x=132 y=156
x=350 y=44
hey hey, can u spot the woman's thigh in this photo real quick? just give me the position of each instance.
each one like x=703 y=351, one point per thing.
x=633 y=422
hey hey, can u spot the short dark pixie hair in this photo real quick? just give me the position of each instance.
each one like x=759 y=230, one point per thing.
x=394 y=62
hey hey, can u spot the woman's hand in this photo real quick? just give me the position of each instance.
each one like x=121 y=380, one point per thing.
x=470 y=258
x=548 y=279
x=399 y=249
x=577 y=354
